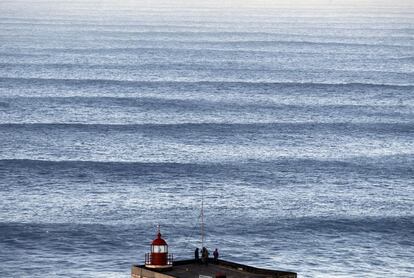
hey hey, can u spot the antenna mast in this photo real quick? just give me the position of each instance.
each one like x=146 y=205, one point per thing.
x=202 y=215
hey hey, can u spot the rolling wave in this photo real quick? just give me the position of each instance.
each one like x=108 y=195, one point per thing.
x=222 y=128
x=228 y=44
x=160 y=102
x=251 y=168
x=114 y=165
x=403 y=225
x=118 y=33
x=280 y=173
x=217 y=51
x=202 y=67
x=209 y=25
x=15 y=81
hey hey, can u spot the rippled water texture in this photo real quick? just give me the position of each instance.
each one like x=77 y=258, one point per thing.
x=297 y=120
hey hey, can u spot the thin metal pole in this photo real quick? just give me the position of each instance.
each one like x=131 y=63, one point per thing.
x=202 y=215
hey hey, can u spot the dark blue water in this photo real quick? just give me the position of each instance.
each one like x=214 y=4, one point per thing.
x=297 y=121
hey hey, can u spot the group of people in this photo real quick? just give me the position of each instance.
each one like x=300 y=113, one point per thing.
x=204 y=255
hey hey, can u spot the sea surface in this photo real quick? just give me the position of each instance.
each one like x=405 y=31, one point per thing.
x=295 y=123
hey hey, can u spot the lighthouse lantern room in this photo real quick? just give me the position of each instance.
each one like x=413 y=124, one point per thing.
x=159 y=257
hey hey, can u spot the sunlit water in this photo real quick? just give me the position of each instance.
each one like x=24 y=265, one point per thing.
x=297 y=122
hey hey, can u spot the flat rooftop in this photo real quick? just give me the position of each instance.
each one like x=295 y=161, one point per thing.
x=192 y=268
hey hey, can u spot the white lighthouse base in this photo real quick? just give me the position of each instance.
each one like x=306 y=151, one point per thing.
x=158 y=266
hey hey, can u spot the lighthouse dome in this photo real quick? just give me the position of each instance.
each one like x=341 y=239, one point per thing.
x=159 y=240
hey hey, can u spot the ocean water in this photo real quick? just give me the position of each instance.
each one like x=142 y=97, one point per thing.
x=296 y=123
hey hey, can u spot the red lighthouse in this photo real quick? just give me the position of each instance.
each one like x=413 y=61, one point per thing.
x=159 y=257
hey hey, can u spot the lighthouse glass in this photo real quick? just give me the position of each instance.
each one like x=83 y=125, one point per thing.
x=159 y=249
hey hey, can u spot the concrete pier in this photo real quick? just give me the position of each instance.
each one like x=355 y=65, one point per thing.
x=192 y=268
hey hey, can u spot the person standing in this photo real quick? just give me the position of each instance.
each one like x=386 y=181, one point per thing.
x=196 y=255
x=204 y=255
x=215 y=255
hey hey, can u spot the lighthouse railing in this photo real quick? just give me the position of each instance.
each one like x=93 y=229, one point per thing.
x=170 y=259
x=148 y=259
